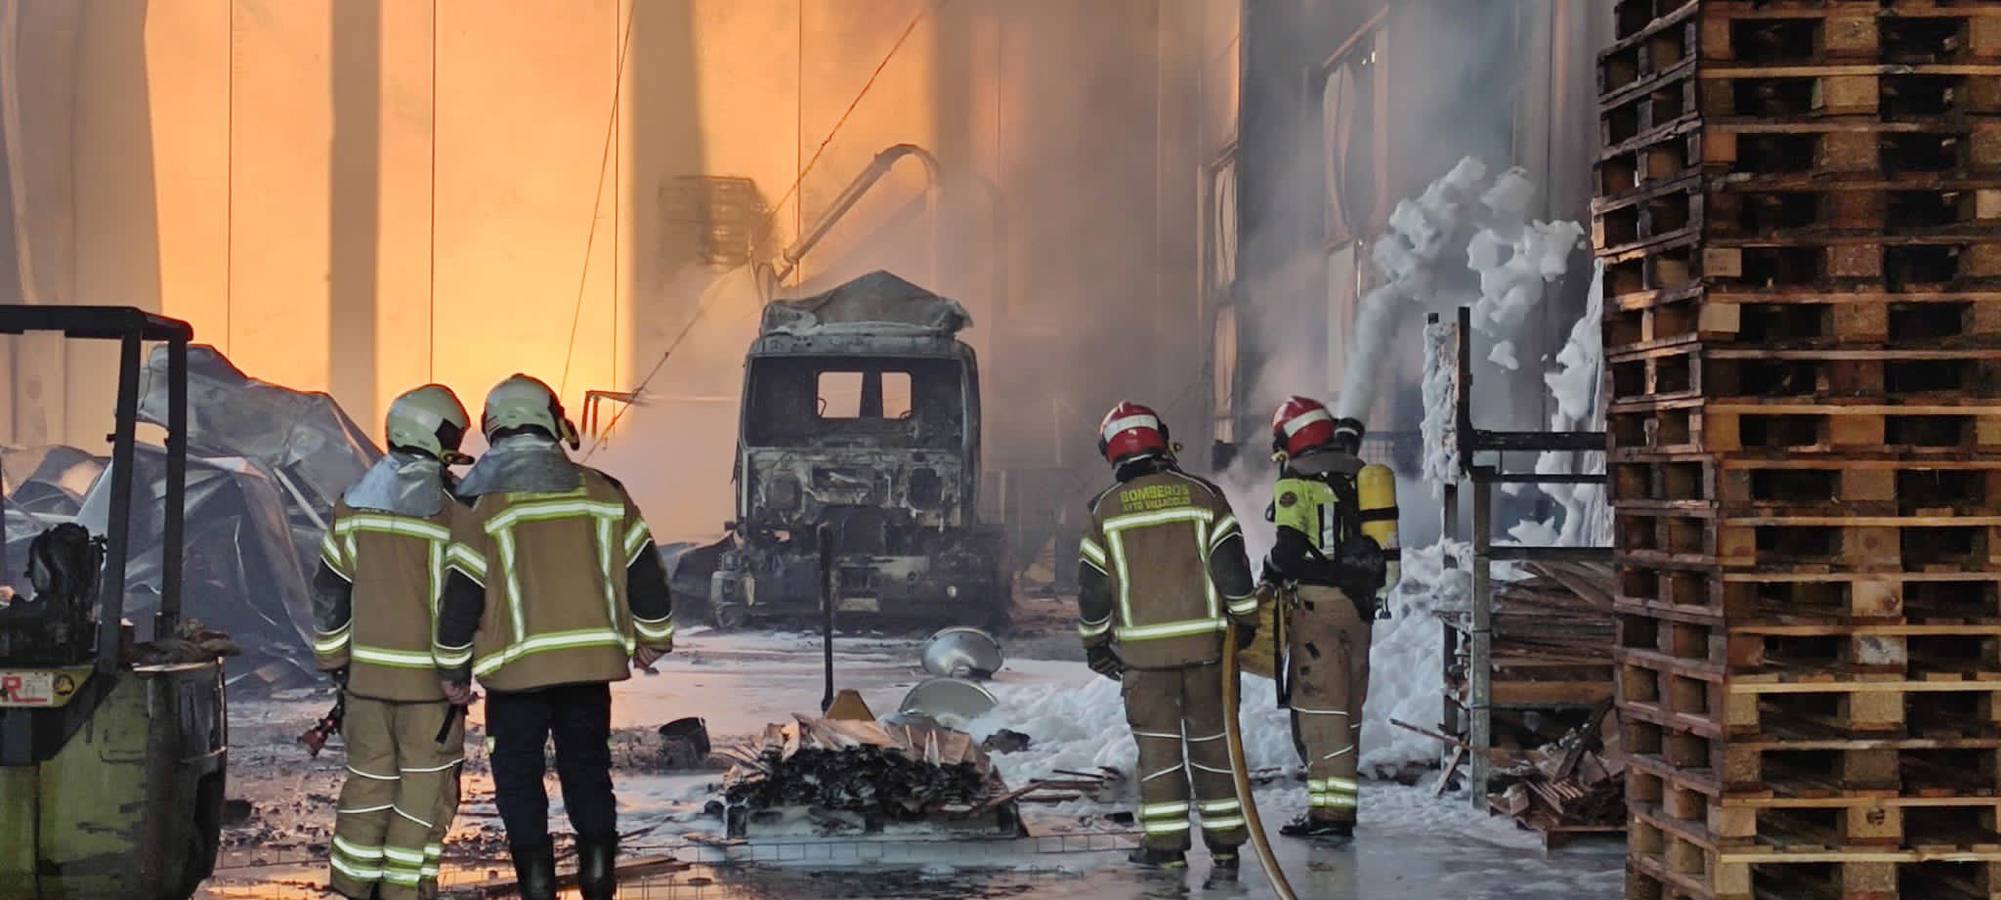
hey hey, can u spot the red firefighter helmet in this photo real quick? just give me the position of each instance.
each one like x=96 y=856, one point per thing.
x=1302 y=424
x=1131 y=431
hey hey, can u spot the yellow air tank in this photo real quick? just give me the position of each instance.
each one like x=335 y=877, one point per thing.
x=1376 y=494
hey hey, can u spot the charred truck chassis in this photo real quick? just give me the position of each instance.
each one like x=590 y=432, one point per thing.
x=861 y=412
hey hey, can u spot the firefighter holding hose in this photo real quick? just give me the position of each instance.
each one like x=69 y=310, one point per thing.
x=1334 y=560
x=1162 y=573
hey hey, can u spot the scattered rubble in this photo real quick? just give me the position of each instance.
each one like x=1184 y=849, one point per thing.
x=1574 y=786
x=873 y=772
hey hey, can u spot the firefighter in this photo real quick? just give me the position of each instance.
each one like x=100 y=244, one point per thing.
x=1336 y=524
x=554 y=591
x=1160 y=567
x=373 y=595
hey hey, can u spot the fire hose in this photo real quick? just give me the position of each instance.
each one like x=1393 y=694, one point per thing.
x=1240 y=770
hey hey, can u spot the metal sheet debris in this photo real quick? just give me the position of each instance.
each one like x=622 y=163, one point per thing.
x=963 y=652
x=266 y=466
x=951 y=702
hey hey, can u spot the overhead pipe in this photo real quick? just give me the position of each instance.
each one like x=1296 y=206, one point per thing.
x=852 y=194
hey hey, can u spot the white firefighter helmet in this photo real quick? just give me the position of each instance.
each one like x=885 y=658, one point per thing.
x=522 y=401
x=430 y=419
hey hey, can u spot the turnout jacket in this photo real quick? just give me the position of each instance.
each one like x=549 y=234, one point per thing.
x=545 y=589
x=1161 y=564
x=375 y=595
x=1319 y=542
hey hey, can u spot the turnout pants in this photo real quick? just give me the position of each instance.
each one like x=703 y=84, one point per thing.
x=401 y=793
x=1329 y=674
x=1177 y=719
x=579 y=716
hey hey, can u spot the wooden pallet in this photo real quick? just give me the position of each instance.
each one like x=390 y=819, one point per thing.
x=1936 y=880
x=1892 y=374
x=1788 y=32
x=1637 y=18
x=1840 y=148
x=1883 y=216
x=1794 y=205
x=1826 y=486
x=1776 y=427
x=1696 y=697
x=1943 y=261
x=1649 y=110
x=1815 y=597
x=1656 y=158
x=1872 y=89
x=1663 y=44
x=1850 y=543
x=1671 y=267
x=1825 y=773
x=1754 y=650
x=1650 y=215
x=1683 y=860
x=1805 y=319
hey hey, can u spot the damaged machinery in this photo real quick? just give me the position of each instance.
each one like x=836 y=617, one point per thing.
x=860 y=420
x=112 y=754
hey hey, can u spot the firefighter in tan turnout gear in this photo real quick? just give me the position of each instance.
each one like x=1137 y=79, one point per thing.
x=1334 y=556
x=1161 y=565
x=380 y=573
x=555 y=590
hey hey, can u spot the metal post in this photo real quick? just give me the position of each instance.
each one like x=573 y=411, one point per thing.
x=825 y=536
x=1480 y=668
x=1449 y=718
x=172 y=553
x=111 y=591
x=1449 y=527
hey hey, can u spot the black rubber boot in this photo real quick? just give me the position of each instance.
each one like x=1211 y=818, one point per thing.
x=1318 y=829
x=1158 y=859
x=535 y=871
x=1223 y=865
x=597 y=860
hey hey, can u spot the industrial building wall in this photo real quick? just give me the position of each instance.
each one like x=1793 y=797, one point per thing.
x=361 y=195
x=1458 y=92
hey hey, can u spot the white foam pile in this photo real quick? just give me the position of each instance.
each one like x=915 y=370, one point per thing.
x=1517 y=258
x=1514 y=256
x=1440 y=428
x=1080 y=724
x=1406 y=676
x=1586 y=516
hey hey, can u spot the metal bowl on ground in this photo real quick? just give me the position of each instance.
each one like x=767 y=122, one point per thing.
x=951 y=702
x=963 y=651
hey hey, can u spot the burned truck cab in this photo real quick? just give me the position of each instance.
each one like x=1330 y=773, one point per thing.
x=861 y=413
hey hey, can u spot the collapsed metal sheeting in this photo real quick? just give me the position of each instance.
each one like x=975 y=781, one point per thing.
x=266 y=466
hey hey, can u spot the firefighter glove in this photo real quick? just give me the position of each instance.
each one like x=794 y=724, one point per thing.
x=1104 y=661
x=457 y=693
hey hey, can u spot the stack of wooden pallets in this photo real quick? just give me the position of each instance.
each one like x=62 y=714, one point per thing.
x=1800 y=218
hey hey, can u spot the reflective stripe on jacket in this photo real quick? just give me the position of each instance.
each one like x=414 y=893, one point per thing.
x=1164 y=566
x=554 y=576
x=376 y=600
